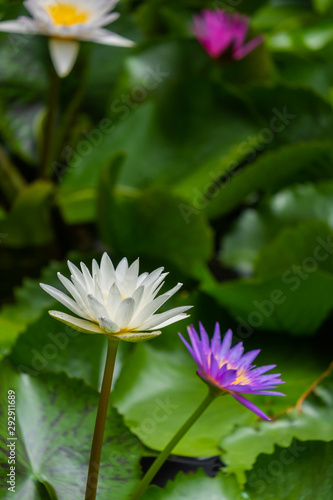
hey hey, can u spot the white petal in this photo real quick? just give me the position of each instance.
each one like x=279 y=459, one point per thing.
x=76 y=295
x=103 y=20
x=124 y=313
x=107 y=37
x=83 y=294
x=108 y=274
x=108 y=325
x=63 y=54
x=131 y=278
x=121 y=270
x=113 y=300
x=137 y=297
x=23 y=25
x=63 y=299
x=76 y=272
x=160 y=319
x=98 y=309
x=148 y=310
x=78 y=324
x=172 y=320
x=96 y=273
x=137 y=337
x=173 y=290
x=152 y=277
x=141 y=278
x=88 y=281
x=152 y=290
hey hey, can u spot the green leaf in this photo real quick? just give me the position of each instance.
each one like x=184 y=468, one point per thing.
x=196 y=486
x=303 y=471
x=29 y=222
x=255 y=228
x=150 y=223
x=158 y=390
x=268 y=173
x=312 y=421
x=30 y=302
x=50 y=346
x=54 y=426
x=292 y=288
x=153 y=113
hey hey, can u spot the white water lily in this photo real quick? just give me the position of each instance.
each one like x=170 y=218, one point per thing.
x=117 y=302
x=66 y=23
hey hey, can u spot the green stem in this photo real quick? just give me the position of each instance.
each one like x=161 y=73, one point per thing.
x=96 y=448
x=82 y=74
x=11 y=181
x=157 y=464
x=48 y=139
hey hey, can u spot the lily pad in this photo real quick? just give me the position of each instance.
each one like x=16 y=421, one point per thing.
x=303 y=471
x=196 y=486
x=312 y=420
x=54 y=426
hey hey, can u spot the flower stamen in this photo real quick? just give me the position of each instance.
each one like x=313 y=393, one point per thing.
x=67 y=15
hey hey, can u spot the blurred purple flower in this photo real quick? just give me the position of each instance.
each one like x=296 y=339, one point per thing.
x=218 y=31
x=228 y=369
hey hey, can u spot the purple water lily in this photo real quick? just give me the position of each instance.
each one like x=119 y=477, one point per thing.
x=218 y=31
x=228 y=369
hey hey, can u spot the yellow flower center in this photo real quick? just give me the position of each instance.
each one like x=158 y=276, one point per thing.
x=241 y=378
x=66 y=14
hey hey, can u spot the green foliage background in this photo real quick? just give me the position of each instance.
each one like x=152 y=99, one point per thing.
x=222 y=172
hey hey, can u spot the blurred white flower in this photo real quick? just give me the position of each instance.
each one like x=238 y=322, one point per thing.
x=117 y=302
x=66 y=23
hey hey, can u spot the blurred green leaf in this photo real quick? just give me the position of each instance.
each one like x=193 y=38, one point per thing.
x=30 y=304
x=54 y=426
x=322 y=6
x=313 y=421
x=156 y=118
x=196 y=486
x=150 y=223
x=292 y=287
x=303 y=471
x=29 y=222
x=50 y=346
x=256 y=228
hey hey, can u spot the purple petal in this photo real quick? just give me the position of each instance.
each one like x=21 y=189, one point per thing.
x=268 y=393
x=226 y=344
x=216 y=340
x=250 y=406
x=227 y=378
x=262 y=369
x=235 y=353
x=204 y=340
x=196 y=344
x=189 y=348
x=249 y=357
x=241 y=52
x=214 y=367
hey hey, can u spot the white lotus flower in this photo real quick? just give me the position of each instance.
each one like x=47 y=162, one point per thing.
x=66 y=23
x=117 y=302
